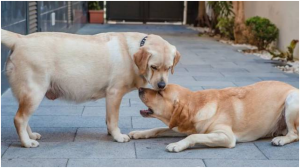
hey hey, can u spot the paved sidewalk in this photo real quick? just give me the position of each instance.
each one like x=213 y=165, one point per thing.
x=75 y=135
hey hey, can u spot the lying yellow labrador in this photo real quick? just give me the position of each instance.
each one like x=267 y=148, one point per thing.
x=220 y=118
x=81 y=68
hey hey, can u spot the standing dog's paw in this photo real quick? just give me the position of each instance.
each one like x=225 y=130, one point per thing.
x=122 y=138
x=35 y=136
x=30 y=143
x=176 y=147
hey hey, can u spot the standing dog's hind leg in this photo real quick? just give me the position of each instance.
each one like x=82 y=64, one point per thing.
x=291 y=119
x=33 y=135
x=27 y=105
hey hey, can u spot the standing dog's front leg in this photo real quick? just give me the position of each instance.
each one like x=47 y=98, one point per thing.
x=113 y=102
x=215 y=139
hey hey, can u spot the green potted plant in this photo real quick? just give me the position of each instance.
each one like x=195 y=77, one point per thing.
x=96 y=14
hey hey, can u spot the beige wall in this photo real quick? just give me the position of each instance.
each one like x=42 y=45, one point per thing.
x=284 y=14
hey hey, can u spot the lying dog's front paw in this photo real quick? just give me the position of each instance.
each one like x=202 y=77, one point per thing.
x=279 y=141
x=137 y=135
x=176 y=147
x=122 y=138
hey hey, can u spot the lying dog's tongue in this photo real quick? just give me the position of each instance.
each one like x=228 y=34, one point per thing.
x=145 y=113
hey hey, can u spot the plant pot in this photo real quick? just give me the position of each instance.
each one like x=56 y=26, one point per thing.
x=96 y=16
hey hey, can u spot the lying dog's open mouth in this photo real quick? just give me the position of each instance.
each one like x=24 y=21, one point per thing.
x=146 y=113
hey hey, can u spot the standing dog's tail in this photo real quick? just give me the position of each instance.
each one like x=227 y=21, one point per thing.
x=9 y=39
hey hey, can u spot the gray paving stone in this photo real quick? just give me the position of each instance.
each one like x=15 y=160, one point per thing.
x=7 y=93
x=155 y=150
x=66 y=121
x=295 y=84
x=95 y=135
x=204 y=83
x=34 y=162
x=4 y=146
x=243 y=83
x=182 y=74
x=136 y=102
x=267 y=69
x=199 y=69
x=48 y=134
x=78 y=150
x=253 y=74
x=135 y=163
x=286 y=152
x=214 y=87
x=141 y=122
x=224 y=65
x=250 y=163
x=293 y=75
x=176 y=78
x=283 y=79
x=9 y=101
x=132 y=94
x=100 y=134
x=179 y=69
x=10 y=110
x=195 y=88
x=124 y=111
x=230 y=79
x=213 y=83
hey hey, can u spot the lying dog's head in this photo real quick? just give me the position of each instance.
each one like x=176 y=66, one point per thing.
x=166 y=105
x=155 y=59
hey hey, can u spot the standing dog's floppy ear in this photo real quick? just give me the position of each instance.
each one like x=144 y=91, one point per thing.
x=141 y=59
x=176 y=60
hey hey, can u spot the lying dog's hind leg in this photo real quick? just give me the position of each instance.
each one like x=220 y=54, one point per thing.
x=291 y=119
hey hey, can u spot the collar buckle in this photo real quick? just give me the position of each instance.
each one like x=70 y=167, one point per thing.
x=143 y=41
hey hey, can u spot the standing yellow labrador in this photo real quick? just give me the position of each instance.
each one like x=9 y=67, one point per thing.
x=81 y=68
x=220 y=118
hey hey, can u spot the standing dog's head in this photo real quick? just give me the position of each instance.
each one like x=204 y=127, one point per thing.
x=155 y=59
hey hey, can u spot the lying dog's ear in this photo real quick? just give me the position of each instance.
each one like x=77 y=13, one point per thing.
x=141 y=59
x=175 y=61
x=179 y=115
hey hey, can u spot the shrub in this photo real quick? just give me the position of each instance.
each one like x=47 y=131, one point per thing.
x=263 y=30
x=93 y=5
x=226 y=26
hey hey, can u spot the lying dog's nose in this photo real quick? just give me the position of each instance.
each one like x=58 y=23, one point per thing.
x=161 y=85
x=141 y=90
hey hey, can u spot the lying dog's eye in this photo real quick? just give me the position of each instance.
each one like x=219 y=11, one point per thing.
x=154 y=67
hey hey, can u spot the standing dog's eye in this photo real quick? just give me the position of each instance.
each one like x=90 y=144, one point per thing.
x=154 y=67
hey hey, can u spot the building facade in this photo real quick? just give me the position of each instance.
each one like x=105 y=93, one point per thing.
x=39 y=16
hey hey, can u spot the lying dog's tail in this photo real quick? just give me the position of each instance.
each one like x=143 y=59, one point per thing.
x=9 y=39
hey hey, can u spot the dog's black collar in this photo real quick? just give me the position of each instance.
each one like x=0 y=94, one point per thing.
x=143 y=41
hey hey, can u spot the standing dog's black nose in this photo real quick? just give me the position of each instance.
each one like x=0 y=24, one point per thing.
x=161 y=85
